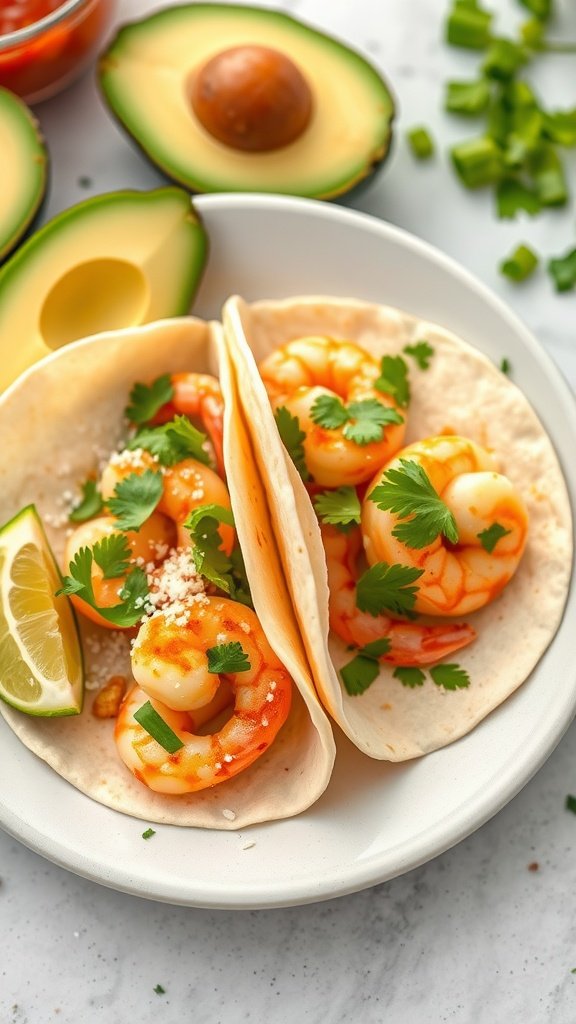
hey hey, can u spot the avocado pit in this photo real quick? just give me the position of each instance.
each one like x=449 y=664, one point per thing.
x=251 y=98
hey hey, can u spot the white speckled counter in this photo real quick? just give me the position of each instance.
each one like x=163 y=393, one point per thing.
x=484 y=934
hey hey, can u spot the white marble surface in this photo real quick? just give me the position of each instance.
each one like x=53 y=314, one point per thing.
x=474 y=937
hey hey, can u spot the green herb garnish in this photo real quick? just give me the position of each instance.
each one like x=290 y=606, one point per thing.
x=407 y=491
x=112 y=554
x=339 y=507
x=147 y=399
x=228 y=658
x=512 y=197
x=148 y=833
x=421 y=143
x=227 y=572
x=562 y=270
x=135 y=498
x=159 y=990
x=505 y=365
x=90 y=505
x=159 y=730
x=172 y=442
x=490 y=537
x=467 y=98
x=450 y=677
x=359 y=673
x=363 y=422
x=570 y=803
x=520 y=264
x=478 y=162
x=421 y=352
x=292 y=438
x=388 y=587
x=468 y=26
x=393 y=379
x=411 y=677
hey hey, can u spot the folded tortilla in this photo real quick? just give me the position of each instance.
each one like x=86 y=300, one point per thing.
x=57 y=423
x=461 y=393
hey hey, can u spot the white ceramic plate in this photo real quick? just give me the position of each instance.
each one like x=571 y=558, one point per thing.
x=375 y=821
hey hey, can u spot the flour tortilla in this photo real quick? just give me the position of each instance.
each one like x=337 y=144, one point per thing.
x=461 y=393
x=57 y=423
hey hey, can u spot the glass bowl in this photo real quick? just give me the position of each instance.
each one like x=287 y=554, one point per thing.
x=42 y=58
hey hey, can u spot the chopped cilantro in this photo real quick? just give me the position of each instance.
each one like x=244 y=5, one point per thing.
x=411 y=677
x=148 y=833
x=505 y=365
x=226 y=572
x=562 y=270
x=159 y=730
x=393 y=379
x=159 y=990
x=90 y=505
x=135 y=498
x=388 y=587
x=339 y=508
x=329 y=412
x=292 y=438
x=112 y=554
x=422 y=352
x=407 y=491
x=228 y=658
x=450 y=677
x=359 y=673
x=363 y=422
x=172 y=442
x=570 y=803
x=490 y=537
x=110 y=557
x=147 y=399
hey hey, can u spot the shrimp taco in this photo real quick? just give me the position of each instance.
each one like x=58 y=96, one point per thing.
x=419 y=506
x=173 y=569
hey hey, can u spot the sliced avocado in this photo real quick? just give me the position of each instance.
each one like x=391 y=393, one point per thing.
x=23 y=170
x=117 y=260
x=147 y=76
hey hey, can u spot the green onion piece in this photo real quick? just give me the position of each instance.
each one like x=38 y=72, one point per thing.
x=421 y=143
x=150 y=720
x=478 y=162
x=570 y=804
x=541 y=8
x=520 y=264
x=532 y=33
x=503 y=60
x=467 y=98
x=562 y=270
x=548 y=176
x=469 y=27
x=560 y=127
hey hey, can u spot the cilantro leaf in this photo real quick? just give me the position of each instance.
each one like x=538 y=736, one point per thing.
x=450 y=677
x=562 y=270
x=393 y=379
x=172 y=442
x=147 y=399
x=570 y=805
x=217 y=512
x=135 y=498
x=228 y=658
x=407 y=491
x=505 y=365
x=376 y=648
x=132 y=596
x=339 y=508
x=362 y=670
x=368 y=421
x=422 y=352
x=112 y=554
x=90 y=505
x=329 y=412
x=411 y=677
x=292 y=438
x=226 y=572
x=512 y=196
x=388 y=587
x=490 y=537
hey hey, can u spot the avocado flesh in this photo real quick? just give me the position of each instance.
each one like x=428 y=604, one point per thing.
x=145 y=75
x=114 y=261
x=23 y=170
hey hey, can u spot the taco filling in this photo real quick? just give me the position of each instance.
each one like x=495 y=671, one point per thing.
x=430 y=505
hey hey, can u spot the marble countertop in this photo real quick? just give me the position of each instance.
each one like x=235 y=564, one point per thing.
x=485 y=933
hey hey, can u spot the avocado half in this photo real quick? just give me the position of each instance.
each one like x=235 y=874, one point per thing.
x=117 y=260
x=145 y=77
x=23 y=170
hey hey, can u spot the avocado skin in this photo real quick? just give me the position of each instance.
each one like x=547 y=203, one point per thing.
x=351 y=188
x=33 y=216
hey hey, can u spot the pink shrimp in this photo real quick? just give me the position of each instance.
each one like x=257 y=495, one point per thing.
x=411 y=643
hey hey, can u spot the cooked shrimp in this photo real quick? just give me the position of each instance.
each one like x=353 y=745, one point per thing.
x=151 y=544
x=198 y=396
x=170 y=665
x=186 y=486
x=457 y=578
x=410 y=642
x=299 y=373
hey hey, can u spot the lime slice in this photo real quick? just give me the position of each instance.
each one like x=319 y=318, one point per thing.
x=41 y=670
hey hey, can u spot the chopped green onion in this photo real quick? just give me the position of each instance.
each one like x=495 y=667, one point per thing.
x=541 y=8
x=512 y=196
x=520 y=264
x=150 y=720
x=548 y=175
x=503 y=60
x=421 y=143
x=478 y=162
x=468 y=26
x=148 y=833
x=467 y=98
x=571 y=803
x=563 y=271
x=560 y=127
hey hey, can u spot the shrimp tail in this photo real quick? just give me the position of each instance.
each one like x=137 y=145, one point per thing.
x=412 y=644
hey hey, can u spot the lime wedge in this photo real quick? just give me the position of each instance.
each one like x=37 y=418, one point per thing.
x=41 y=670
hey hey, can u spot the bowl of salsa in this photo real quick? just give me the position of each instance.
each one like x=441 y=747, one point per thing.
x=46 y=44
